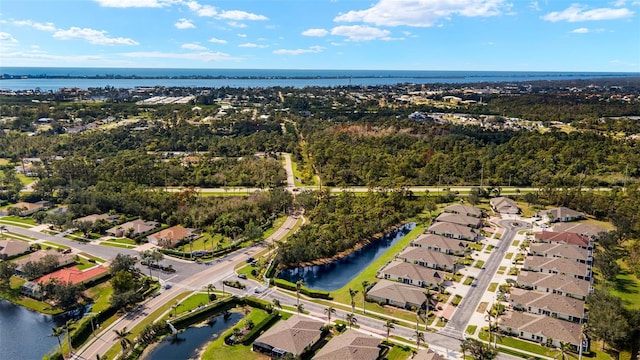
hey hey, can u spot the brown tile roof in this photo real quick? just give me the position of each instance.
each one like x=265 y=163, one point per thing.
x=563 y=237
x=459 y=219
x=454 y=229
x=95 y=217
x=415 y=272
x=418 y=254
x=504 y=205
x=463 y=210
x=427 y=354
x=562 y=266
x=542 y=325
x=27 y=205
x=138 y=226
x=548 y=301
x=11 y=247
x=292 y=335
x=580 y=228
x=559 y=250
x=441 y=242
x=351 y=345
x=170 y=236
x=397 y=292
x=63 y=259
x=564 y=283
x=560 y=213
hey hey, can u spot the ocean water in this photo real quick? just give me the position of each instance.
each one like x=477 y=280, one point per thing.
x=27 y=78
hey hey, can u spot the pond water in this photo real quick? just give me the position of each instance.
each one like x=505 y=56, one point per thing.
x=334 y=275
x=24 y=334
x=188 y=343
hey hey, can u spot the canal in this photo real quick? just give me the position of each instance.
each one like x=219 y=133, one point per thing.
x=25 y=334
x=335 y=275
x=188 y=343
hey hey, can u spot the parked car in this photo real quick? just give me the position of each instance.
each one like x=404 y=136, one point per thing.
x=242 y=276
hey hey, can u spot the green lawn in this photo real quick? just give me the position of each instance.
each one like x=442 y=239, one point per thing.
x=479 y=264
x=14 y=296
x=515 y=243
x=83 y=263
x=205 y=242
x=398 y=353
x=117 y=245
x=492 y=287
x=55 y=245
x=627 y=287
x=508 y=256
x=22 y=225
x=25 y=180
x=217 y=349
x=101 y=295
x=471 y=329
x=22 y=220
x=468 y=280
x=192 y=302
x=518 y=344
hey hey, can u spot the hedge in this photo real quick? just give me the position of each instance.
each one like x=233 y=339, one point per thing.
x=310 y=293
x=257 y=303
x=201 y=314
x=249 y=337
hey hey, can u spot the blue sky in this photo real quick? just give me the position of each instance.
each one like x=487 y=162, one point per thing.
x=525 y=35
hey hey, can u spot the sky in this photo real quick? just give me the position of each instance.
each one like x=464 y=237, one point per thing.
x=509 y=35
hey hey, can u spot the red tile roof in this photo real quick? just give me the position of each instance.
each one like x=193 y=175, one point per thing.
x=72 y=275
x=563 y=237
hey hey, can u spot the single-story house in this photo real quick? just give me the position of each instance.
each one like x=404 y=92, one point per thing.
x=504 y=205
x=429 y=258
x=350 y=345
x=549 y=304
x=132 y=229
x=27 y=208
x=168 y=238
x=31 y=289
x=427 y=354
x=464 y=220
x=463 y=210
x=441 y=243
x=95 y=217
x=592 y=231
x=561 y=250
x=555 y=283
x=397 y=294
x=453 y=231
x=582 y=241
x=63 y=259
x=73 y=275
x=412 y=274
x=540 y=328
x=560 y=214
x=10 y=248
x=294 y=336
x=557 y=266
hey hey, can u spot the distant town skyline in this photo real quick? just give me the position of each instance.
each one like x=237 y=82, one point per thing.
x=542 y=35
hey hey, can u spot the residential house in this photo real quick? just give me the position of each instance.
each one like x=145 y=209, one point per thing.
x=27 y=208
x=564 y=238
x=504 y=205
x=31 y=289
x=408 y=273
x=428 y=258
x=95 y=217
x=396 y=294
x=441 y=243
x=453 y=231
x=10 y=248
x=592 y=231
x=549 y=304
x=427 y=354
x=350 y=345
x=294 y=336
x=541 y=329
x=133 y=229
x=557 y=266
x=463 y=210
x=63 y=259
x=555 y=283
x=464 y=220
x=170 y=237
x=73 y=275
x=560 y=214
x=561 y=250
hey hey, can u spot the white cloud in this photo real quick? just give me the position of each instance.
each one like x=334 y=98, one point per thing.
x=240 y=15
x=202 y=10
x=422 y=13
x=315 y=32
x=98 y=37
x=242 y=35
x=7 y=38
x=361 y=33
x=577 y=12
x=217 y=41
x=193 y=46
x=534 y=5
x=236 y=24
x=184 y=24
x=310 y=50
x=582 y=30
x=252 y=45
x=134 y=3
x=203 y=56
x=36 y=25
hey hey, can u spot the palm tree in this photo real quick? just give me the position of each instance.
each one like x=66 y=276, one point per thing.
x=329 y=311
x=57 y=332
x=69 y=326
x=121 y=335
x=210 y=289
x=299 y=285
x=365 y=285
x=300 y=308
x=389 y=325
x=563 y=351
x=419 y=338
x=175 y=308
x=487 y=317
x=352 y=294
x=582 y=338
x=352 y=320
x=276 y=303
x=464 y=346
